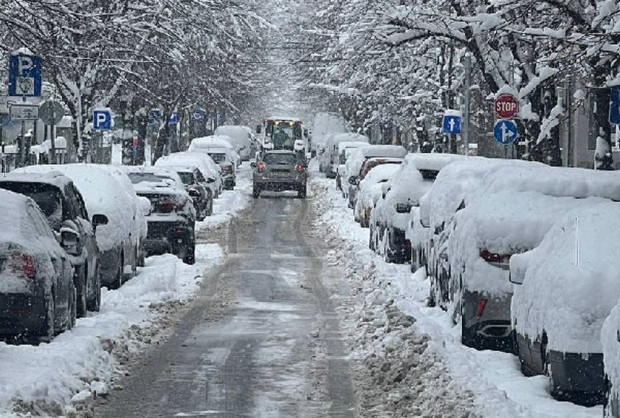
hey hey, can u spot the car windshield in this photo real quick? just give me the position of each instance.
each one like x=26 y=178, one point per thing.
x=47 y=197
x=282 y=159
x=149 y=177
x=218 y=157
x=187 y=178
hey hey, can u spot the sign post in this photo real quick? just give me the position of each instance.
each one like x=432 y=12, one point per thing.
x=51 y=113
x=24 y=81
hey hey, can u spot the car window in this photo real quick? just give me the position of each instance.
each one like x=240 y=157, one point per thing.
x=283 y=159
x=47 y=197
x=186 y=178
x=81 y=206
x=148 y=177
x=218 y=157
x=38 y=222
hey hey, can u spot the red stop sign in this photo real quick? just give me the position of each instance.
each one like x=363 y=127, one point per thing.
x=506 y=106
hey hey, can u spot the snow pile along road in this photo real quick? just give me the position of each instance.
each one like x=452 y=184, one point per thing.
x=410 y=359
x=61 y=377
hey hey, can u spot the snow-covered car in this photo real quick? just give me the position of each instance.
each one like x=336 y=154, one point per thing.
x=565 y=289
x=278 y=171
x=37 y=294
x=118 y=240
x=371 y=188
x=196 y=186
x=172 y=219
x=356 y=161
x=63 y=206
x=345 y=150
x=392 y=212
x=484 y=236
x=223 y=153
x=367 y=166
x=241 y=137
x=334 y=151
x=209 y=169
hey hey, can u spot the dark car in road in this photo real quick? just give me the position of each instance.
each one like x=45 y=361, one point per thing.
x=37 y=294
x=172 y=221
x=63 y=206
x=278 y=171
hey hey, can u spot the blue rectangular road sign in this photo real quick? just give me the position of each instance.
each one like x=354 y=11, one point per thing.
x=614 y=105
x=25 y=75
x=451 y=124
x=102 y=120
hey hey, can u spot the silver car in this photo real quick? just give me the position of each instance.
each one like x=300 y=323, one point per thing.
x=278 y=171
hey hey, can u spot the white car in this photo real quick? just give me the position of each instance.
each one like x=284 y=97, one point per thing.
x=241 y=137
x=209 y=169
x=371 y=189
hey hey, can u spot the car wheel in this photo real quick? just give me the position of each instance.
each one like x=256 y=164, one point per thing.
x=94 y=304
x=301 y=192
x=190 y=254
x=50 y=320
x=256 y=192
x=81 y=290
x=72 y=311
x=118 y=282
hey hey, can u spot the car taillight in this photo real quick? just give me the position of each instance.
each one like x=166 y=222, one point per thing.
x=299 y=168
x=496 y=259
x=23 y=265
x=482 y=303
x=260 y=167
x=168 y=205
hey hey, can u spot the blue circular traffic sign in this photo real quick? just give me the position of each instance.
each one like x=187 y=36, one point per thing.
x=505 y=131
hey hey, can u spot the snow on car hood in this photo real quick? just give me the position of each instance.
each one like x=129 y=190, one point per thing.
x=571 y=280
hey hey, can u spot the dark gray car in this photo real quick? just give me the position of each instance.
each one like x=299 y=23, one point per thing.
x=278 y=171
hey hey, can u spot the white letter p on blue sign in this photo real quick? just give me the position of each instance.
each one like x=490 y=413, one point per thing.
x=102 y=120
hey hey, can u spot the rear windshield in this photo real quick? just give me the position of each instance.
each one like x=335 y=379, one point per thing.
x=218 y=157
x=47 y=197
x=283 y=159
x=149 y=177
x=429 y=174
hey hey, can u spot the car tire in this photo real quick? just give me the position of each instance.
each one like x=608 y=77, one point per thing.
x=94 y=304
x=301 y=192
x=118 y=282
x=72 y=311
x=256 y=192
x=190 y=254
x=81 y=291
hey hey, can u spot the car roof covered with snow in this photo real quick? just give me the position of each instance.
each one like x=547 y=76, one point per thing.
x=570 y=281
x=103 y=194
x=213 y=141
x=350 y=144
x=201 y=160
x=167 y=172
x=53 y=178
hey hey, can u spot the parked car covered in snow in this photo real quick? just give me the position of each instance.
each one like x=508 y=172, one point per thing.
x=118 y=240
x=334 y=151
x=172 y=219
x=484 y=236
x=241 y=137
x=566 y=288
x=37 y=294
x=390 y=217
x=371 y=188
x=209 y=169
x=65 y=210
x=345 y=150
x=222 y=152
x=355 y=164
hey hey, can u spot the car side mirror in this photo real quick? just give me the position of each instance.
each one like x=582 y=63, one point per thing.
x=69 y=239
x=353 y=180
x=193 y=193
x=210 y=180
x=517 y=273
x=99 y=219
x=253 y=164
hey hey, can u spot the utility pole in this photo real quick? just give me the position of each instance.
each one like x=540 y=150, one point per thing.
x=467 y=102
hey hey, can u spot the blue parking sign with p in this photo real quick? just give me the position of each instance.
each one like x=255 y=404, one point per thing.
x=24 y=75
x=102 y=120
